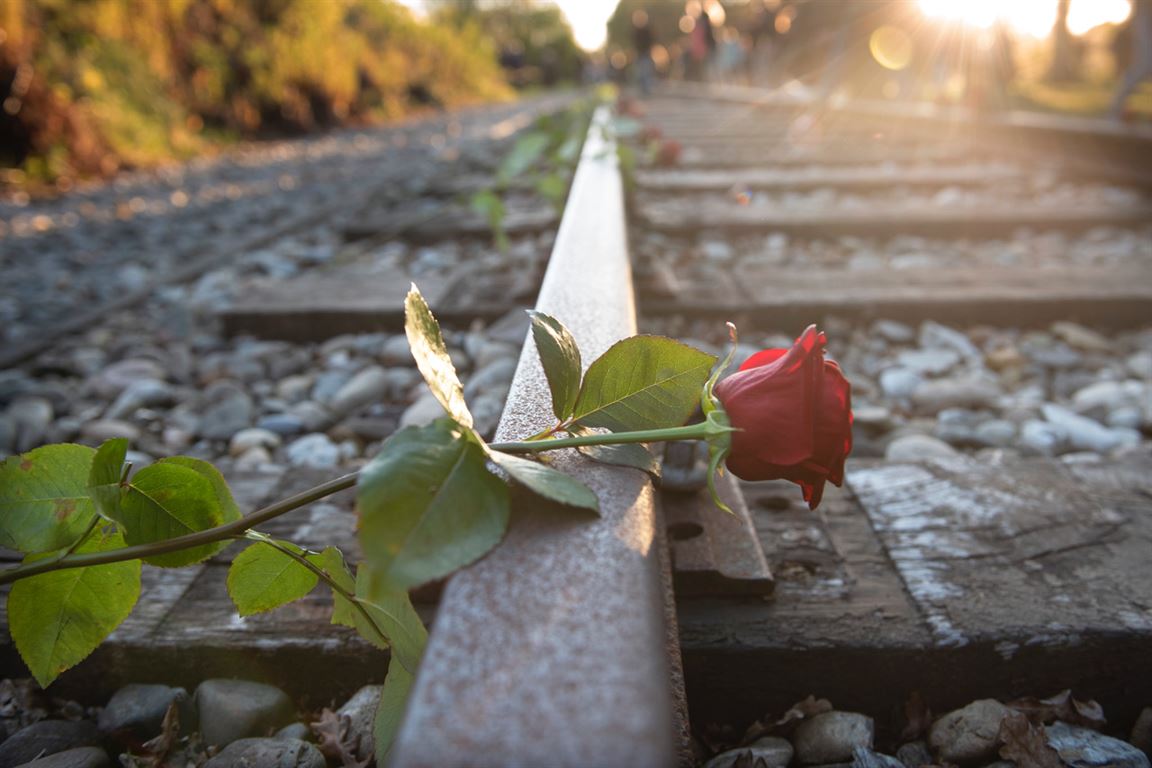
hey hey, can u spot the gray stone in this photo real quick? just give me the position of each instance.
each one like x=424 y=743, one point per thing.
x=995 y=433
x=1139 y=364
x=396 y=351
x=424 y=411
x=872 y=418
x=361 y=711
x=1098 y=399
x=1084 y=748
x=80 y=757
x=298 y=731
x=494 y=378
x=899 y=383
x=7 y=434
x=254 y=458
x=929 y=361
x=106 y=429
x=117 y=377
x=145 y=393
x=890 y=330
x=268 y=753
x=286 y=424
x=486 y=412
x=1043 y=438
x=237 y=709
x=1080 y=337
x=314 y=416
x=135 y=713
x=936 y=336
x=253 y=437
x=914 y=754
x=1058 y=356
x=314 y=450
x=970 y=734
x=771 y=751
x=934 y=396
x=1085 y=434
x=366 y=387
x=917 y=448
x=329 y=383
x=511 y=328
x=832 y=737
x=47 y=737
x=294 y=388
x=229 y=409
x=30 y=417
x=866 y=758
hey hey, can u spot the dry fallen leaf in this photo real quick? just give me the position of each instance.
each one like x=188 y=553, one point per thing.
x=1061 y=707
x=1026 y=744
x=332 y=732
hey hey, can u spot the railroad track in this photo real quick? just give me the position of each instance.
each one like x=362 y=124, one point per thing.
x=1001 y=287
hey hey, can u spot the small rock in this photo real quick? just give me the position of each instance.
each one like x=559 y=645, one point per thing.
x=145 y=393
x=492 y=379
x=254 y=458
x=396 y=351
x=229 y=409
x=899 y=383
x=424 y=411
x=329 y=383
x=299 y=731
x=934 y=396
x=936 y=336
x=30 y=418
x=286 y=424
x=914 y=754
x=866 y=758
x=7 y=434
x=511 y=328
x=236 y=709
x=918 y=448
x=1085 y=434
x=1080 y=337
x=1140 y=364
x=366 y=387
x=890 y=330
x=486 y=412
x=1097 y=399
x=135 y=713
x=268 y=753
x=1084 y=748
x=294 y=388
x=361 y=712
x=314 y=450
x=970 y=734
x=81 y=757
x=831 y=737
x=117 y=377
x=253 y=437
x=717 y=250
x=995 y=433
x=312 y=415
x=1043 y=438
x=106 y=429
x=872 y=418
x=47 y=737
x=930 y=361
x=771 y=751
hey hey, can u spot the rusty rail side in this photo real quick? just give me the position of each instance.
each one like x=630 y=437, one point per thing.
x=551 y=650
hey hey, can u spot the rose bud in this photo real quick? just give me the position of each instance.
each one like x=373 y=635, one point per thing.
x=794 y=412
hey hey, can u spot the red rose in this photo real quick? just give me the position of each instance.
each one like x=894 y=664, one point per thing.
x=794 y=412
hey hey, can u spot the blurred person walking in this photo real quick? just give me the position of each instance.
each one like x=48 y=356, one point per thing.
x=701 y=43
x=642 y=41
x=1140 y=62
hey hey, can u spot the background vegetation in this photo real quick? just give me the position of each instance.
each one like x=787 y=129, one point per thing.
x=90 y=87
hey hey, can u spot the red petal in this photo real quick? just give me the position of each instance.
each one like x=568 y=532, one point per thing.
x=763 y=357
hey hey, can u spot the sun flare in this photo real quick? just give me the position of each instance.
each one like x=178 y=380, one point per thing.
x=1028 y=17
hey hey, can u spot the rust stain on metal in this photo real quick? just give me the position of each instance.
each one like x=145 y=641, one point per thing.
x=550 y=651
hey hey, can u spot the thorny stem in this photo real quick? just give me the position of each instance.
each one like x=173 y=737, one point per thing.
x=239 y=528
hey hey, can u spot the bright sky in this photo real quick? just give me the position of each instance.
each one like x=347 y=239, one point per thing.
x=587 y=17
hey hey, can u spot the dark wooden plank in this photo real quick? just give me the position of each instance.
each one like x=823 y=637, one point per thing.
x=850 y=177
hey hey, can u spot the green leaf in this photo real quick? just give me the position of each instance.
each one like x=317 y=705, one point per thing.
x=567 y=153
x=553 y=188
x=392 y=611
x=262 y=578
x=634 y=455
x=167 y=500
x=229 y=509
x=432 y=357
x=44 y=502
x=331 y=561
x=525 y=153
x=642 y=382
x=390 y=710
x=428 y=504
x=58 y=618
x=560 y=357
x=547 y=482
x=104 y=477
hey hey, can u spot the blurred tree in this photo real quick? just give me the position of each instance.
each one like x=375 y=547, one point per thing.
x=534 y=39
